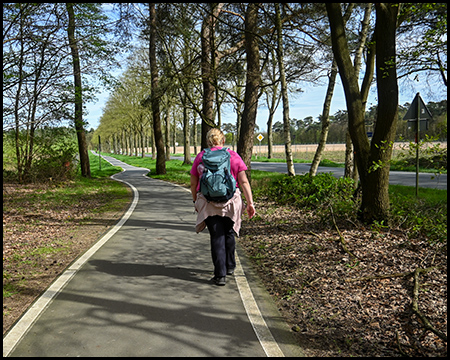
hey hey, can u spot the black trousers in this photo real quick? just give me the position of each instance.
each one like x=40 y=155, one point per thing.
x=223 y=244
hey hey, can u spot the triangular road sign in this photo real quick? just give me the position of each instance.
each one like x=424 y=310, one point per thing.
x=423 y=110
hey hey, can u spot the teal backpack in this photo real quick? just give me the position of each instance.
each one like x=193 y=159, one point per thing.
x=216 y=183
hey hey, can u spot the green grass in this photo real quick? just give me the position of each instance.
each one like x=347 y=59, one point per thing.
x=425 y=214
x=106 y=168
x=434 y=197
x=176 y=171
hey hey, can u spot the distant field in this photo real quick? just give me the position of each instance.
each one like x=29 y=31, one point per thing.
x=302 y=148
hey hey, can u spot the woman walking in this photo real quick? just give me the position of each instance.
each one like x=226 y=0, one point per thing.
x=223 y=219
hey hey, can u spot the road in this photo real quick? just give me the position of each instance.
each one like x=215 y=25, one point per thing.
x=396 y=177
x=144 y=289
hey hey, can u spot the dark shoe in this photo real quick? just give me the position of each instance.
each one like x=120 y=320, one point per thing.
x=219 y=280
x=230 y=272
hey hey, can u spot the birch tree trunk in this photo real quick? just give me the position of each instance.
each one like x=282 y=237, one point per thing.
x=325 y=120
x=284 y=95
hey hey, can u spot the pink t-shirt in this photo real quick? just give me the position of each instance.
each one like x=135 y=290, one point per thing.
x=236 y=163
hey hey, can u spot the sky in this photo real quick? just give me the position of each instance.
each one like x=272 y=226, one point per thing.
x=307 y=103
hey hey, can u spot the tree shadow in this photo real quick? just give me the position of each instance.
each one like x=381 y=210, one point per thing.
x=143 y=270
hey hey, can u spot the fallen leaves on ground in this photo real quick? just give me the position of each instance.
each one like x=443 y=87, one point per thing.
x=340 y=305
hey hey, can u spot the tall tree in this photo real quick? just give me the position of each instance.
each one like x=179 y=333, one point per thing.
x=208 y=64
x=284 y=94
x=252 y=88
x=78 y=116
x=325 y=117
x=375 y=201
x=156 y=96
x=273 y=98
x=372 y=159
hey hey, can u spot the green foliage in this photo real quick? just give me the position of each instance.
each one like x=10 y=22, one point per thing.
x=432 y=157
x=425 y=215
x=311 y=191
x=54 y=155
x=57 y=156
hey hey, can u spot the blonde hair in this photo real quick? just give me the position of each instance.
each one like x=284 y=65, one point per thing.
x=215 y=137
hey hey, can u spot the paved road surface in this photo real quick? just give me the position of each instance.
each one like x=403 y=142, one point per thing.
x=147 y=292
x=395 y=177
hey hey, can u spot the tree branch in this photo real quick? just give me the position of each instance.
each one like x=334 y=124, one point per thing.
x=341 y=237
x=415 y=306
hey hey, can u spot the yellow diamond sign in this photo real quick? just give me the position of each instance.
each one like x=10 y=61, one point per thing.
x=260 y=137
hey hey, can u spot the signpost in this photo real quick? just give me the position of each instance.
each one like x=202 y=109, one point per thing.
x=260 y=138
x=417 y=115
x=99 y=156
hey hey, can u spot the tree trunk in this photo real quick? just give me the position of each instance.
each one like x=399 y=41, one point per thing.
x=372 y=162
x=284 y=95
x=325 y=120
x=375 y=203
x=194 y=134
x=272 y=105
x=248 y=121
x=17 y=102
x=156 y=96
x=142 y=136
x=207 y=69
x=349 y=158
x=349 y=80
x=270 y=134
x=187 y=136
x=167 y=133
x=78 y=118
x=351 y=169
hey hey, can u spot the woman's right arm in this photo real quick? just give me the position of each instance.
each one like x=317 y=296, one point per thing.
x=194 y=184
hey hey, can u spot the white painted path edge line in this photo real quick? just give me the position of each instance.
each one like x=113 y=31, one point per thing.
x=19 y=330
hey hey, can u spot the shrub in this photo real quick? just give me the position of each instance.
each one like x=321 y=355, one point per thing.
x=56 y=157
x=310 y=191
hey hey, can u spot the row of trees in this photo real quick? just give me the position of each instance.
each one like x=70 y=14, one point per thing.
x=303 y=131
x=194 y=59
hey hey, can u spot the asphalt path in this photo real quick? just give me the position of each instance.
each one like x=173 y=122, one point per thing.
x=426 y=180
x=145 y=290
